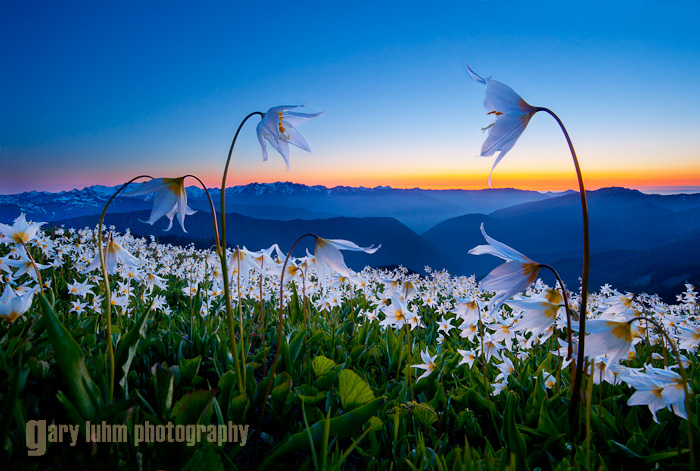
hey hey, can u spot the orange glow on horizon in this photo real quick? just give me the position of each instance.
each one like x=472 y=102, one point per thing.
x=540 y=181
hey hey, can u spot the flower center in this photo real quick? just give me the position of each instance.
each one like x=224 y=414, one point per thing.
x=19 y=237
x=281 y=128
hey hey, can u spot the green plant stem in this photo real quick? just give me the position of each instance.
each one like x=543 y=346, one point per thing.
x=273 y=371
x=222 y=257
x=566 y=307
x=576 y=387
x=108 y=290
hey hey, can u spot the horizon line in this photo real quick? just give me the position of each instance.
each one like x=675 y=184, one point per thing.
x=646 y=189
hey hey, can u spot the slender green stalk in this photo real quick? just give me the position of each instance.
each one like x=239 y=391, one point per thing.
x=589 y=400
x=279 y=323
x=566 y=307
x=576 y=387
x=222 y=257
x=108 y=290
x=36 y=269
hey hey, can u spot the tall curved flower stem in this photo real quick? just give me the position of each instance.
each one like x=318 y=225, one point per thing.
x=108 y=290
x=273 y=370
x=222 y=257
x=576 y=387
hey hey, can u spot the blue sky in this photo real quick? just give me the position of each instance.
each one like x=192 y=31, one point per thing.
x=98 y=93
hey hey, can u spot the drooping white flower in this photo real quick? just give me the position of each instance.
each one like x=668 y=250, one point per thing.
x=512 y=115
x=510 y=278
x=278 y=128
x=328 y=258
x=170 y=199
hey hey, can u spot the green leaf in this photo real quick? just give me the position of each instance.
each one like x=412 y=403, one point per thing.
x=227 y=383
x=192 y=407
x=354 y=391
x=515 y=443
x=205 y=459
x=163 y=383
x=280 y=393
x=425 y=414
x=127 y=349
x=189 y=369
x=322 y=365
x=82 y=390
x=343 y=426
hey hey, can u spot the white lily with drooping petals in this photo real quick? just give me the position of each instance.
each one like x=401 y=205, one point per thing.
x=170 y=199
x=328 y=258
x=512 y=115
x=278 y=128
x=507 y=279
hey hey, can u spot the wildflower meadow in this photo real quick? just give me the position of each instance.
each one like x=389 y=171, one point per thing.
x=119 y=352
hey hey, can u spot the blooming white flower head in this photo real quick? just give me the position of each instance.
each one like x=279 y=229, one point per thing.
x=512 y=115
x=170 y=199
x=510 y=278
x=13 y=305
x=113 y=254
x=20 y=232
x=278 y=128
x=610 y=338
x=428 y=364
x=329 y=259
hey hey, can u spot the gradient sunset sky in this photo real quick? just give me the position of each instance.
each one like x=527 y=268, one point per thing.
x=99 y=92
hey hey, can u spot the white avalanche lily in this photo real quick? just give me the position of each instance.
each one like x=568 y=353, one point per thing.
x=538 y=314
x=170 y=199
x=113 y=254
x=277 y=127
x=13 y=305
x=510 y=278
x=512 y=115
x=328 y=258
x=21 y=231
x=428 y=365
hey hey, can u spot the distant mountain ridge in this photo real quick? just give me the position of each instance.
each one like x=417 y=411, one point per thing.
x=639 y=242
x=417 y=208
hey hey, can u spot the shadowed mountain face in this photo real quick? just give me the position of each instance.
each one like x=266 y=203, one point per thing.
x=639 y=242
x=400 y=245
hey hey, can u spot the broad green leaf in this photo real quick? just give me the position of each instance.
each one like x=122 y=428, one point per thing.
x=425 y=414
x=205 y=459
x=189 y=369
x=322 y=365
x=353 y=390
x=341 y=427
x=192 y=407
